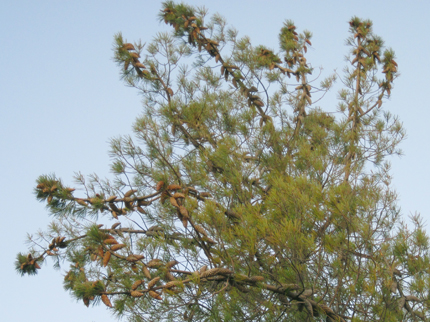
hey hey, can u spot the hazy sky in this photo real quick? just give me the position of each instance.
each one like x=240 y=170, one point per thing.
x=61 y=100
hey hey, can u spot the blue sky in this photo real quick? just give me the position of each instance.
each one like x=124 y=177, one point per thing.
x=61 y=100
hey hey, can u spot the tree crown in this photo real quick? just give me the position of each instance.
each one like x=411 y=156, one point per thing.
x=242 y=199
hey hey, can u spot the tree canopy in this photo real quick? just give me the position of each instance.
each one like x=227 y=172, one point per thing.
x=242 y=197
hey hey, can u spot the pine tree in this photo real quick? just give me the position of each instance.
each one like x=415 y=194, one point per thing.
x=241 y=199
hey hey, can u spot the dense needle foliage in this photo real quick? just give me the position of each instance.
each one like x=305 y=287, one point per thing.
x=242 y=197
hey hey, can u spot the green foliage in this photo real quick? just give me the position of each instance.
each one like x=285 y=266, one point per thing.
x=88 y=289
x=26 y=265
x=241 y=199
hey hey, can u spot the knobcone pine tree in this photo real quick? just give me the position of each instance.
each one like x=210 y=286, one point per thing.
x=241 y=199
